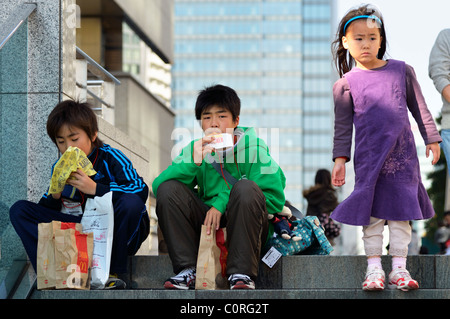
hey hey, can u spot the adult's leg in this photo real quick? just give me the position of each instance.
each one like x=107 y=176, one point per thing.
x=247 y=228
x=180 y=216
x=25 y=217
x=445 y=145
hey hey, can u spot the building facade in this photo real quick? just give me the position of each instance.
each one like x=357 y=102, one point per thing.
x=276 y=54
x=52 y=50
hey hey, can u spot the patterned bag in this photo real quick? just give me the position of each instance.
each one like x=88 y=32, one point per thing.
x=313 y=242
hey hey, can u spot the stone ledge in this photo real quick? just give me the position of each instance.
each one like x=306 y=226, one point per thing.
x=306 y=272
x=266 y=294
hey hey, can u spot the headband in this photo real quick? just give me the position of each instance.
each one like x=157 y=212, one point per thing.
x=373 y=17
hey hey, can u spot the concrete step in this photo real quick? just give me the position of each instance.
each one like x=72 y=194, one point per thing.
x=306 y=272
x=257 y=294
x=292 y=277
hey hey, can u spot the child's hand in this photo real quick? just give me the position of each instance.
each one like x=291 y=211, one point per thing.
x=436 y=150
x=56 y=195
x=202 y=148
x=82 y=182
x=338 y=173
x=212 y=220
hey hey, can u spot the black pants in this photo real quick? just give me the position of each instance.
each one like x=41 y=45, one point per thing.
x=131 y=227
x=181 y=214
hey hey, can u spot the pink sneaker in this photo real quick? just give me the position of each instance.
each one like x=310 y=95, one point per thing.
x=399 y=278
x=374 y=280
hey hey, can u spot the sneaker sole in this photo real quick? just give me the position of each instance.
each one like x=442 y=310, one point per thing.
x=373 y=286
x=411 y=285
x=240 y=285
x=169 y=285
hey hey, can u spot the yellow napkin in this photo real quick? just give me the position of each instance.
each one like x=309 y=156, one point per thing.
x=72 y=159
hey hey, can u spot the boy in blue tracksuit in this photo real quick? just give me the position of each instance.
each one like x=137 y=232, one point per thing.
x=75 y=124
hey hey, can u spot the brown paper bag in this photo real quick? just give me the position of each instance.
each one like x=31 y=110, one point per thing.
x=73 y=258
x=64 y=256
x=211 y=260
x=45 y=257
x=45 y=262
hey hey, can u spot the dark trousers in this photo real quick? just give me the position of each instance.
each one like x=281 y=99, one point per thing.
x=131 y=227
x=181 y=214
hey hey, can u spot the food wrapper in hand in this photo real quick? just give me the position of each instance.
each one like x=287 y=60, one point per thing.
x=72 y=159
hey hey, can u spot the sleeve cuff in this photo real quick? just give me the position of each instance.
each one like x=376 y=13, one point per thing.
x=101 y=189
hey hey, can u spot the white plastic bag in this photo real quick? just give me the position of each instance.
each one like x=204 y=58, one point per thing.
x=98 y=218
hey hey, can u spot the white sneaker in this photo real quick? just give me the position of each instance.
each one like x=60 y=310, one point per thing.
x=399 y=278
x=184 y=280
x=374 y=280
x=240 y=281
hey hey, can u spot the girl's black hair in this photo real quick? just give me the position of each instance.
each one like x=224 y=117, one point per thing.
x=323 y=177
x=219 y=95
x=343 y=60
x=76 y=114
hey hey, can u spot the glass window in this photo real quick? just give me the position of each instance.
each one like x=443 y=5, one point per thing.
x=317 y=85
x=319 y=104
x=317 y=29
x=281 y=27
x=287 y=8
x=317 y=11
x=317 y=122
x=317 y=160
x=322 y=141
x=320 y=67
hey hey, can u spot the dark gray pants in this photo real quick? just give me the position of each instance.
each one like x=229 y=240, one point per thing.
x=181 y=214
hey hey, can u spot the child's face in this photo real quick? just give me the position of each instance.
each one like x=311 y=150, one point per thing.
x=76 y=137
x=215 y=119
x=363 y=40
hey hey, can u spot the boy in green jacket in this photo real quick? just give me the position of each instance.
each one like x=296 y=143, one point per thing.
x=191 y=192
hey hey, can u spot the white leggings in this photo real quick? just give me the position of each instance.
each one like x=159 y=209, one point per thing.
x=399 y=237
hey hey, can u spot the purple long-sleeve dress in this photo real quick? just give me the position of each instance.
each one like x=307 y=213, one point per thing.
x=387 y=173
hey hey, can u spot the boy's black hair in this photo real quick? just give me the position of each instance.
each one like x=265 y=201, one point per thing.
x=219 y=95
x=76 y=114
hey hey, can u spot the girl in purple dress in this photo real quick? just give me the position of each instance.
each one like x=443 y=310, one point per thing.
x=375 y=95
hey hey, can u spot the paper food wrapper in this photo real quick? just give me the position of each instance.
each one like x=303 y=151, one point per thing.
x=72 y=159
x=223 y=140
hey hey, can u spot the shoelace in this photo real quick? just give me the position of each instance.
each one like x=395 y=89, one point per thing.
x=239 y=276
x=186 y=273
x=374 y=274
x=401 y=275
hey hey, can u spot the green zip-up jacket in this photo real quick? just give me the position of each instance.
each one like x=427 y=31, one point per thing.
x=250 y=160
